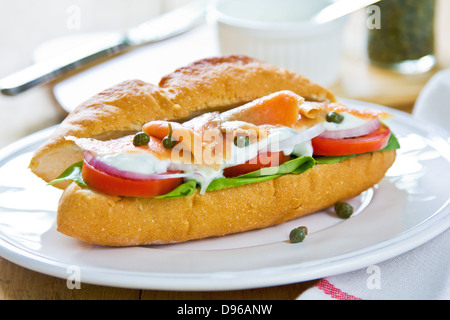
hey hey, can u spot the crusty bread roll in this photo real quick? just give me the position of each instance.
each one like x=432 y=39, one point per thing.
x=206 y=85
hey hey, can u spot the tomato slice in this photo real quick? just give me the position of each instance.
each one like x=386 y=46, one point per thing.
x=373 y=141
x=261 y=161
x=114 y=185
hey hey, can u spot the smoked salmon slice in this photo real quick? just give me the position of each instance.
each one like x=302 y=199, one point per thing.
x=124 y=144
x=253 y=118
x=360 y=113
x=280 y=108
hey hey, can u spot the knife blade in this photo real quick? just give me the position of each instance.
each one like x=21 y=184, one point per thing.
x=341 y=8
x=163 y=27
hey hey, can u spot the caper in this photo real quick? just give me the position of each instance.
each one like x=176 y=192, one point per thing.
x=141 y=139
x=335 y=117
x=298 y=234
x=241 y=141
x=169 y=142
x=343 y=210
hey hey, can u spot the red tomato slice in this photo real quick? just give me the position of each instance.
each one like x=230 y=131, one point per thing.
x=261 y=161
x=114 y=185
x=373 y=141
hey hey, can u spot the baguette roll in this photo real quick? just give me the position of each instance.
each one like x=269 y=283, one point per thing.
x=214 y=84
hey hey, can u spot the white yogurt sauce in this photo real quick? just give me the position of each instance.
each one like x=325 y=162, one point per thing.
x=350 y=122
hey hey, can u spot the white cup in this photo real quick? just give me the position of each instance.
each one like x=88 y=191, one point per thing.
x=281 y=32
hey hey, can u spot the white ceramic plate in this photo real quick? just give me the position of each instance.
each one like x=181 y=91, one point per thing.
x=409 y=207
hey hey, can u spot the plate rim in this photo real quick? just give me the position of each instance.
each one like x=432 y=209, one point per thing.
x=234 y=280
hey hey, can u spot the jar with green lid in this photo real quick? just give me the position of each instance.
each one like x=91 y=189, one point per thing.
x=403 y=40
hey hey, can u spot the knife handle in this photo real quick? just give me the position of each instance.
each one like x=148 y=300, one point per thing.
x=44 y=71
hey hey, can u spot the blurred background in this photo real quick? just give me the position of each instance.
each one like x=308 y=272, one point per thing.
x=26 y=25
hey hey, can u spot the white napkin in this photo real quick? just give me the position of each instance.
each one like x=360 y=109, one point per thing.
x=433 y=103
x=420 y=274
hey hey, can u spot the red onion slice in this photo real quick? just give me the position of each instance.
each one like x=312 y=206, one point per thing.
x=301 y=137
x=362 y=130
x=100 y=165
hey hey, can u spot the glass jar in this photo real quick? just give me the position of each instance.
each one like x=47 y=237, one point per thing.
x=404 y=39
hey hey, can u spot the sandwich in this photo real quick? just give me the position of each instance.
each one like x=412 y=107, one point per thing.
x=223 y=145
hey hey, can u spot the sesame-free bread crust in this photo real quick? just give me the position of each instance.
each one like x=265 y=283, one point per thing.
x=206 y=85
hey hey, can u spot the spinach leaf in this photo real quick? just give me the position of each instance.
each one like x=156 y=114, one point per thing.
x=72 y=173
x=181 y=191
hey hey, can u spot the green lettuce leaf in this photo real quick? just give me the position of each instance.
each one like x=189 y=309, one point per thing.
x=183 y=190
x=72 y=173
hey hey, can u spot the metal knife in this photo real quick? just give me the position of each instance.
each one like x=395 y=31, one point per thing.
x=166 y=26
x=341 y=8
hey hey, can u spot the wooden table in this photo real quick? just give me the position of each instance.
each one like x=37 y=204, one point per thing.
x=37 y=109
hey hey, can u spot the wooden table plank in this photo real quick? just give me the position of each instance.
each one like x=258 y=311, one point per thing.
x=18 y=283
